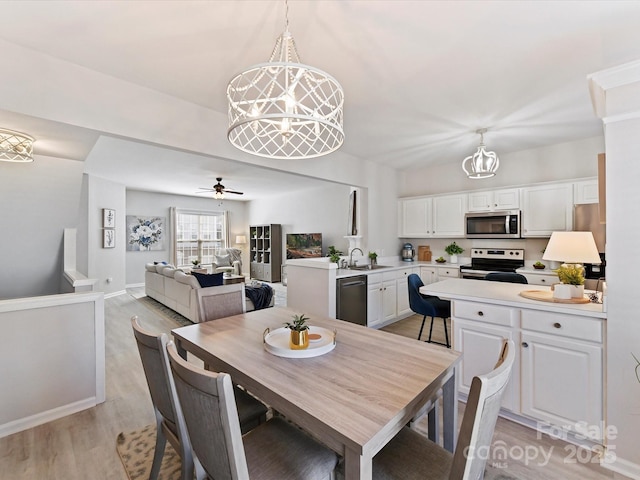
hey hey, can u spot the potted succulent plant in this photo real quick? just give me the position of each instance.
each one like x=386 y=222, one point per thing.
x=453 y=250
x=299 y=339
x=571 y=276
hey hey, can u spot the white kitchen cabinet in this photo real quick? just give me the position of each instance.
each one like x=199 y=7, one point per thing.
x=494 y=200
x=381 y=298
x=585 y=191
x=481 y=344
x=547 y=209
x=562 y=375
x=448 y=272
x=428 y=275
x=415 y=217
x=448 y=215
x=403 y=308
x=541 y=279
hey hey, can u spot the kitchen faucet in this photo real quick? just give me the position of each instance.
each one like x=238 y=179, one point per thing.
x=351 y=262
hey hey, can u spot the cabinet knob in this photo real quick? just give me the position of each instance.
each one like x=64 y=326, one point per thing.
x=525 y=344
x=480 y=313
x=557 y=325
x=543 y=280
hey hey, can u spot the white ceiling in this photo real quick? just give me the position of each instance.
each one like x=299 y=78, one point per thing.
x=420 y=77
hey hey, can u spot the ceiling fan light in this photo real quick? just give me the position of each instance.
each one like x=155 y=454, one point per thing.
x=15 y=146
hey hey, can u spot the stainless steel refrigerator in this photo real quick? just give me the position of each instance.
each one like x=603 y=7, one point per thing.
x=586 y=218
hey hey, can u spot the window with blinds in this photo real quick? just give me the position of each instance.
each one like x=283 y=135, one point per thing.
x=199 y=235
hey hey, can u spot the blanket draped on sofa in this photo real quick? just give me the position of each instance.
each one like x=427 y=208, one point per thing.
x=260 y=296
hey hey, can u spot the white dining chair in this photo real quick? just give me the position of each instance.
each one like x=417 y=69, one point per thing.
x=275 y=450
x=411 y=456
x=221 y=301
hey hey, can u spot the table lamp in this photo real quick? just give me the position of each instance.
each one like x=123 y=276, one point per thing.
x=571 y=248
x=241 y=240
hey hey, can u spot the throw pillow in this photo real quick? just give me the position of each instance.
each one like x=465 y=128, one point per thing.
x=222 y=260
x=208 y=279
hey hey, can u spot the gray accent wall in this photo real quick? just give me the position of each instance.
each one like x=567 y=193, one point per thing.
x=39 y=200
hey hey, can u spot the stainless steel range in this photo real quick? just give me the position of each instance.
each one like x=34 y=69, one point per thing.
x=488 y=260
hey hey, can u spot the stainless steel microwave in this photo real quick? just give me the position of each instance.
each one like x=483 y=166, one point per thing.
x=504 y=224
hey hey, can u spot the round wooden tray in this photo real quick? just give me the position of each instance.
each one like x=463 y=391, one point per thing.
x=277 y=343
x=547 y=296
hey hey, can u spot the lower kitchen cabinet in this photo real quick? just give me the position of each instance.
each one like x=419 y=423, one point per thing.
x=403 y=308
x=557 y=379
x=562 y=371
x=381 y=298
x=428 y=275
x=481 y=344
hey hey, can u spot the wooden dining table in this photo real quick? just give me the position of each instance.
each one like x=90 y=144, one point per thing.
x=354 y=398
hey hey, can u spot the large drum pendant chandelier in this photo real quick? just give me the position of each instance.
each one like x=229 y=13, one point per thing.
x=285 y=109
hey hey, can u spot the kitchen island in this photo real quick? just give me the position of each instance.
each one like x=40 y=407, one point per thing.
x=311 y=286
x=558 y=377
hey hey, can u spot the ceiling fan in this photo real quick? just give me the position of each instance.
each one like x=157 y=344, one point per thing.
x=219 y=189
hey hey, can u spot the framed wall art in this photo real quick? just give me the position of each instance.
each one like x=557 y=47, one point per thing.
x=108 y=218
x=145 y=233
x=108 y=238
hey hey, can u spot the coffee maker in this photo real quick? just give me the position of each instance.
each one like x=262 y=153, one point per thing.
x=407 y=253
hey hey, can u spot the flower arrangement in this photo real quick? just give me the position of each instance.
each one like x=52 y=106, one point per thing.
x=146 y=232
x=195 y=262
x=453 y=249
x=571 y=273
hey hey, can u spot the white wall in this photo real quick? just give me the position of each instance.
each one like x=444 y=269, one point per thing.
x=616 y=95
x=106 y=265
x=158 y=204
x=563 y=161
x=321 y=210
x=39 y=200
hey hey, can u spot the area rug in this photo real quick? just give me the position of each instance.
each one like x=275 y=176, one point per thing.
x=160 y=309
x=136 y=452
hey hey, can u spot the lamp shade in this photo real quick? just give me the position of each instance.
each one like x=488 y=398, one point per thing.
x=241 y=239
x=572 y=247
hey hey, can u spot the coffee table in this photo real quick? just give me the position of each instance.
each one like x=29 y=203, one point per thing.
x=229 y=279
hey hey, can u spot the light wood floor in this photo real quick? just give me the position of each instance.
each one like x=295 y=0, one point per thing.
x=82 y=446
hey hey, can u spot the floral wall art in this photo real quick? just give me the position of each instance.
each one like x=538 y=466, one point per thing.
x=145 y=233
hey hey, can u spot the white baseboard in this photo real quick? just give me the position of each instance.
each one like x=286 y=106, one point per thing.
x=621 y=466
x=115 y=294
x=134 y=285
x=21 y=424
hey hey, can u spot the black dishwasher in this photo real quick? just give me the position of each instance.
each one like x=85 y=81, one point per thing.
x=351 y=299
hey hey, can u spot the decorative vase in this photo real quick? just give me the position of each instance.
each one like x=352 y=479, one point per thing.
x=562 y=291
x=299 y=340
x=453 y=258
x=577 y=291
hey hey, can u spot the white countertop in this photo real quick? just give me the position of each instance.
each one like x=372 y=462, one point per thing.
x=392 y=266
x=507 y=294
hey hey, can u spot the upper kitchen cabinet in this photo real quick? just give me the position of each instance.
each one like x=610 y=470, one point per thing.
x=546 y=209
x=585 y=191
x=438 y=216
x=448 y=215
x=415 y=217
x=494 y=200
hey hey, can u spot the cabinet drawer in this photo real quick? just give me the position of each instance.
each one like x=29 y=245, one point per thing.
x=405 y=272
x=535 y=279
x=573 y=326
x=484 y=312
x=448 y=272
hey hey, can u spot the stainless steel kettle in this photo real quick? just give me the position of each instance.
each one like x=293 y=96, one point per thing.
x=407 y=253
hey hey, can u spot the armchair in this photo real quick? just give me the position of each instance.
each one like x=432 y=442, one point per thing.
x=227 y=260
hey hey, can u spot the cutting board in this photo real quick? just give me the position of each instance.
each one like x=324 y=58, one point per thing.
x=545 y=296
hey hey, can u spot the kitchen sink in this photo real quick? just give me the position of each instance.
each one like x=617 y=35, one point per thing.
x=368 y=267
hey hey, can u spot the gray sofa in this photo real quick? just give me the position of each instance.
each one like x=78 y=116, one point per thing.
x=177 y=290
